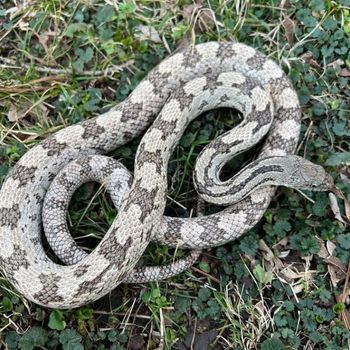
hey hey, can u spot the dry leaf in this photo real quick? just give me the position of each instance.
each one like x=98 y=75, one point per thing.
x=20 y=6
x=335 y=207
x=284 y=254
x=16 y=113
x=344 y=72
x=289 y=28
x=21 y=110
x=263 y=246
x=283 y=242
x=189 y=10
x=347 y=208
x=260 y=307
x=269 y=266
x=336 y=269
x=336 y=64
x=298 y=288
x=200 y=17
x=206 y=19
x=330 y=247
x=272 y=262
x=275 y=265
x=147 y=33
x=278 y=264
x=335 y=276
x=323 y=252
x=334 y=261
x=288 y=276
x=308 y=58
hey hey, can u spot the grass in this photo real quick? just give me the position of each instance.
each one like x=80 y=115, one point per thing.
x=281 y=286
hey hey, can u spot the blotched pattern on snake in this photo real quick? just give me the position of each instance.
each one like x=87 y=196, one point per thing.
x=180 y=88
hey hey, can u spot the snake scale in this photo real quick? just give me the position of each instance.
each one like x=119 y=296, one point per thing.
x=183 y=86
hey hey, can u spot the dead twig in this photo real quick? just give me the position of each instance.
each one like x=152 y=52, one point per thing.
x=205 y=274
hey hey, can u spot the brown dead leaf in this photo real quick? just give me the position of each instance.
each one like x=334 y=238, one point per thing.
x=336 y=269
x=16 y=113
x=323 y=252
x=330 y=247
x=190 y=10
x=269 y=255
x=260 y=307
x=297 y=280
x=291 y=273
x=20 y=6
x=337 y=64
x=278 y=264
x=308 y=58
x=199 y=16
x=283 y=242
x=344 y=72
x=289 y=28
x=334 y=261
x=281 y=254
x=272 y=261
x=21 y=110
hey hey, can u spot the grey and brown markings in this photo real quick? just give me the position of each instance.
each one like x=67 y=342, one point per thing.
x=202 y=77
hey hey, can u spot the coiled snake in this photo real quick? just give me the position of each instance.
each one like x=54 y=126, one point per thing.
x=180 y=88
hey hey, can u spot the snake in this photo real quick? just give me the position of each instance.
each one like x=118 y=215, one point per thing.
x=183 y=86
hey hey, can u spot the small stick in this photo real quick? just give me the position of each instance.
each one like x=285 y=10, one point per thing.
x=205 y=274
x=123 y=314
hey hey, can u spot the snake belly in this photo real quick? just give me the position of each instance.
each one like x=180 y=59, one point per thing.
x=181 y=87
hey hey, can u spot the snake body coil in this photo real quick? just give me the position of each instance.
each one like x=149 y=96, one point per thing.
x=180 y=88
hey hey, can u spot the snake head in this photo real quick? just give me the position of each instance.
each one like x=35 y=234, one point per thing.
x=310 y=176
